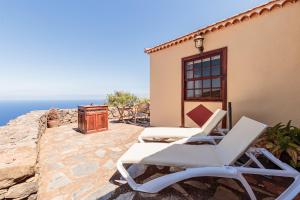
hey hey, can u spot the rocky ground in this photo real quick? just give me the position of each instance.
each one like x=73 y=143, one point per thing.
x=76 y=166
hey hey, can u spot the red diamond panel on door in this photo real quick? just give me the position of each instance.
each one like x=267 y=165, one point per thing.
x=200 y=115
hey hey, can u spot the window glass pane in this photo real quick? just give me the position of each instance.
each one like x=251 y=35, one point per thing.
x=206 y=83
x=189 y=65
x=216 y=82
x=206 y=66
x=197 y=68
x=197 y=73
x=206 y=62
x=190 y=93
x=215 y=60
x=206 y=71
x=198 y=84
x=216 y=92
x=206 y=93
x=190 y=85
x=198 y=93
x=215 y=71
x=189 y=74
x=197 y=64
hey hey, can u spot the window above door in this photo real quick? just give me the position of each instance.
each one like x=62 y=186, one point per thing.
x=204 y=76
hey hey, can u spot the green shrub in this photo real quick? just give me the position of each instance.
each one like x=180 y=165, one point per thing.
x=122 y=101
x=284 y=142
x=141 y=106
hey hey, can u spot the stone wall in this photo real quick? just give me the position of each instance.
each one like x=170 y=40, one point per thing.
x=67 y=116
x=19 y=151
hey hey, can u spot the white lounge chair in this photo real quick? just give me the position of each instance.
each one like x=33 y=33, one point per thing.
x=208 y=160
x=161 y=133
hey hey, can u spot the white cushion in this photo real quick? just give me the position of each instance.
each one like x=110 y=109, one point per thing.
x=178 y=155
x=172 y=132
x=234 y=144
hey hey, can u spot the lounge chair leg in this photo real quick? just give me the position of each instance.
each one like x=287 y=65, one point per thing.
x=127 y=176
x=136 y=170
x=292 y=191
x=162 y=182
x=246 y=185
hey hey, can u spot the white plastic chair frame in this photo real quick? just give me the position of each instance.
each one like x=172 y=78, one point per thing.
x=235 y=172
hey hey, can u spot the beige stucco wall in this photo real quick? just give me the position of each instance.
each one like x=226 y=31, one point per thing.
x=263 y=75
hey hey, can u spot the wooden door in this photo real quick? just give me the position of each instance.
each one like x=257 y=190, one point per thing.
x=91 y=122
x=102 y=122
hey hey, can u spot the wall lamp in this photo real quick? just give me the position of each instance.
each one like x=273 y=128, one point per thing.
x=199 y=42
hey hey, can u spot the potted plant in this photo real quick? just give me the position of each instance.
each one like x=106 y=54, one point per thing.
x=283 y=140
x=52 y=118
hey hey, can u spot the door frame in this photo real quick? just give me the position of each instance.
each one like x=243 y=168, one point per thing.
x=223 y=52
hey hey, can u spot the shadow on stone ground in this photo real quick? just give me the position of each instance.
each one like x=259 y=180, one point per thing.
x=211 y=188
x=139 y=122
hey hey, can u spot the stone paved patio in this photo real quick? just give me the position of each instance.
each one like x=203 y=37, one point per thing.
x=76 y=166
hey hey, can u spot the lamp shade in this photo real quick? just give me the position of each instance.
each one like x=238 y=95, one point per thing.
x=199 y=41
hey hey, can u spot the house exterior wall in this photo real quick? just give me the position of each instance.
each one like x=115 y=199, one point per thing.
x=263 y=71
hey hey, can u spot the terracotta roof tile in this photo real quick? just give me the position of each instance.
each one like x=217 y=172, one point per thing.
x=259 y=10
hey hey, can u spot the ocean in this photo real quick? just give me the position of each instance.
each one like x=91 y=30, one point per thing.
x=12 y=109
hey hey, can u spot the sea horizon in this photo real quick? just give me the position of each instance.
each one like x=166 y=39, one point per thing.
x=11 y=109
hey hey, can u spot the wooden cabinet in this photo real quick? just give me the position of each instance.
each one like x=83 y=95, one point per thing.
x=92 y=118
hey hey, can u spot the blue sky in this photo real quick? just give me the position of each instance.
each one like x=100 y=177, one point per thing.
x=74 y=49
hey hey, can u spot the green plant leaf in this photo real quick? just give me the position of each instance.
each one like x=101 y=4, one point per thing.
x=269 y=145
x=293 y=154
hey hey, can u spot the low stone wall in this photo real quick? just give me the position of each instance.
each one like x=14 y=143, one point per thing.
x=19 y=151
x=67 y=116
x=19 y=154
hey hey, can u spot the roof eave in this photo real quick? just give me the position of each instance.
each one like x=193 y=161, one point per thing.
x=249 y=14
